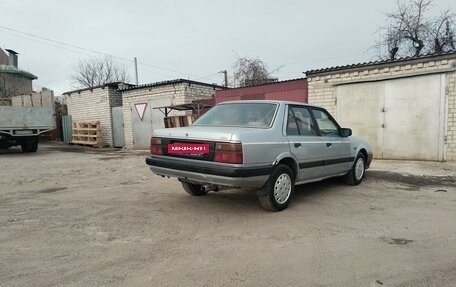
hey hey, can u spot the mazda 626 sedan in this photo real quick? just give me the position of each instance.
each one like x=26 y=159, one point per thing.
x=268 y=146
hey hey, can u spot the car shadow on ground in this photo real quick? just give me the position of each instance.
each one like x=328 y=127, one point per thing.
x=236 y=200
x=12 y=150
x=246 y=200
x=316 y=189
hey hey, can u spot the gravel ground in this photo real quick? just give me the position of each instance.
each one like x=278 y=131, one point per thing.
x=77 y=216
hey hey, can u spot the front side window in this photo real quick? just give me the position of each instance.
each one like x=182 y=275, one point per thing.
x=251 y=115
x=326 y=125
x=300 y=122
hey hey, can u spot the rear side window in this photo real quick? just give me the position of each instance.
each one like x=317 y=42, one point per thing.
x=252 y=115
x=300 y=122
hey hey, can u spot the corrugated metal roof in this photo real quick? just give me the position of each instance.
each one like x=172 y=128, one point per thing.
x=12 y=52
x=114 y=85
x=380 y=62
x=13 y=70
x=171 y=82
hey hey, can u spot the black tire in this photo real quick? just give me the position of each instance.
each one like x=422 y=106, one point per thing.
x=27 y=147
x=193 y=189
x=352 y=177
x=34 y=147
x=278 y=191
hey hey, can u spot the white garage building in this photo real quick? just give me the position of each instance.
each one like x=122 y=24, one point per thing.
x=140 y=113
x=405 y=108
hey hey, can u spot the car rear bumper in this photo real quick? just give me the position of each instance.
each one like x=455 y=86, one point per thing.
x=205 y=172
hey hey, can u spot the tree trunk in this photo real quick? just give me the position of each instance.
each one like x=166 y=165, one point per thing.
x=393 y=52
x=437 y=46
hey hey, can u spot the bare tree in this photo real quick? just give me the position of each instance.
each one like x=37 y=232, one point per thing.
x=410 y=32
x=249 y=72
x=98 y=71
x=393 y=40
x=442 y=32
x=410 y=23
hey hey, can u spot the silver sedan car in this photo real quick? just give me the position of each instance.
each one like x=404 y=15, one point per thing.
x=268 y=146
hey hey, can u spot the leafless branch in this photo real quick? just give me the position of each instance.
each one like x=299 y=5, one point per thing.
x=98 y=71
x=248 y=72
x=409 y=31
x=442 y=31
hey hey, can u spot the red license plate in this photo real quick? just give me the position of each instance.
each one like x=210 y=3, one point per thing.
x=188 y=148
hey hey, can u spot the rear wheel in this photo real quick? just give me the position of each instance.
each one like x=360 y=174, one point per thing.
x=29 y=144
x=356 y=173
x=278 y=191
x=193 y=189
x=34 y=147
x=27 y=147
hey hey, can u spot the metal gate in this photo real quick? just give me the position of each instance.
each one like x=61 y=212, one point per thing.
x=118 y=136
x=400 y=118
x=67 y=129
x=145 y=119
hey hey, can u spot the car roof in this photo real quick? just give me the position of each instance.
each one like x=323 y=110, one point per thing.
x=266 y=102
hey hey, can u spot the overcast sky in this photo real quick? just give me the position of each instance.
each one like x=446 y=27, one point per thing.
x=191 y=39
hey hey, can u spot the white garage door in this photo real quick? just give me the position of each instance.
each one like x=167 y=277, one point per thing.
x=401 y=119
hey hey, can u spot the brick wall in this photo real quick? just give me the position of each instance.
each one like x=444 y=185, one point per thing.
x=4 y=60
x=95 y=105
x=322 y=86
x=195 y=92
x=451 y=132
x=115 y=98
x=15 y=85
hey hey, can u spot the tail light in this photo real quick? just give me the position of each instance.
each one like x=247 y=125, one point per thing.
x=228 y=152
x=156 y=146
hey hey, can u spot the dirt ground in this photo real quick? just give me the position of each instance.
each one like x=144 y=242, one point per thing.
x=77 y=216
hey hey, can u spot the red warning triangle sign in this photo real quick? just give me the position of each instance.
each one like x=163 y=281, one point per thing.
x=141 y=109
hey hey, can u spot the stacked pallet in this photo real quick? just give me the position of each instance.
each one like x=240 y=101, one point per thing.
x=87 y=133
x=179 y=121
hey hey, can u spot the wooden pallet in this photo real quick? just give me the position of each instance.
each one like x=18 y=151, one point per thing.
x=87 y=133
x=179 y=121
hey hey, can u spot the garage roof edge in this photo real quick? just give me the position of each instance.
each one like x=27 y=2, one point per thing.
x=443 y=55
x=171 y=82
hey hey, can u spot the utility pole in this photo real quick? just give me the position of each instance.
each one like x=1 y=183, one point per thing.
x=225 y=72
x=136 y=71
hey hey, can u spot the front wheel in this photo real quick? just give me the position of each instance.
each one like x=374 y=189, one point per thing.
x=194 y=189
x=279 y=189
x=356 y=173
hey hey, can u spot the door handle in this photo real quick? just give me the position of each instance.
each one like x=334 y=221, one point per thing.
x=297 y=144
x=329 y=144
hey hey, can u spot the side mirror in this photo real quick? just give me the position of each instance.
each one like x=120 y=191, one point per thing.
x=345 y=132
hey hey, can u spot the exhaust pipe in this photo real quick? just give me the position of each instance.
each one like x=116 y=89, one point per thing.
x=209 y=187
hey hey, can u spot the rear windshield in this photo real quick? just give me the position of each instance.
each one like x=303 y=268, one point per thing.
x=253 y=115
